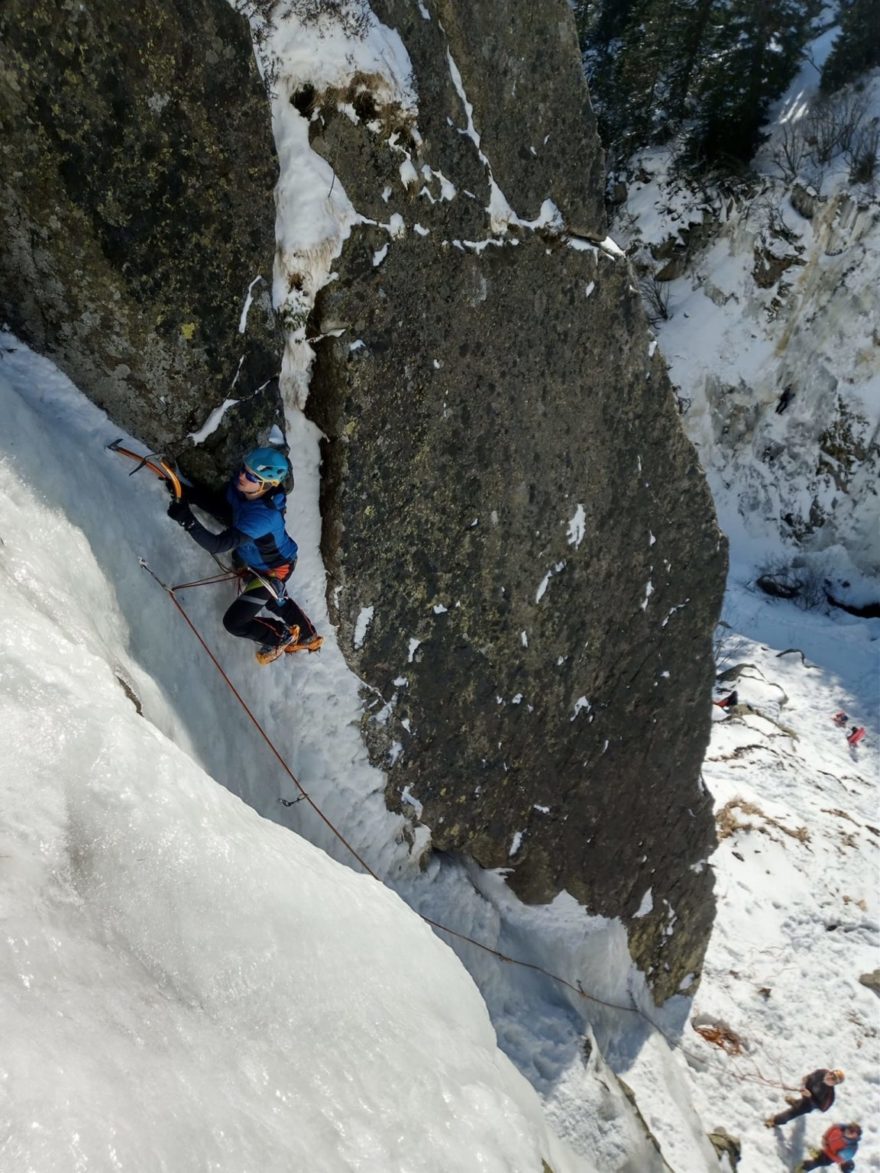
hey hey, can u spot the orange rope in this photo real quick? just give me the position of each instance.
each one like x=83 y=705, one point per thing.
x=170 y=592
x=227 y=576
x=576 y=988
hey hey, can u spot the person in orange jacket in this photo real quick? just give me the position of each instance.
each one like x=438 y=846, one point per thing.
x=839 y=1145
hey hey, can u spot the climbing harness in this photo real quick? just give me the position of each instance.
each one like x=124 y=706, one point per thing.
x=276 y=592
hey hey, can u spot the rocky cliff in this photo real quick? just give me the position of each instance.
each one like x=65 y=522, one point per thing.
x=136 y=178
x=523 y=558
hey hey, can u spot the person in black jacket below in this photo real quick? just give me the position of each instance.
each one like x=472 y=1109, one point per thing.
x=817 y=1095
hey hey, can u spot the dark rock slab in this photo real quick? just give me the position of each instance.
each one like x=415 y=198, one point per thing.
x=136 y=178
x=544 y=698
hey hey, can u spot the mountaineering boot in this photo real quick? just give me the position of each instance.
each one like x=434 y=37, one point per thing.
x=269 y=652
x=770 y=1122
x=313 y=644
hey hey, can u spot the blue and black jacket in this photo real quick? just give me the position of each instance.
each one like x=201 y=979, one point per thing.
x=254 y=527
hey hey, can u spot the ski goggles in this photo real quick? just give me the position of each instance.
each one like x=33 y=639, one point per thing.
x=250 y=476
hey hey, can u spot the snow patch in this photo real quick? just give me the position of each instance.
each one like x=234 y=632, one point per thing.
x=248 y=301
x=409 y=177
x=646 y=905
x=577 y=527
x=213 y=422
x=580 y=705
x=545 y=581
x=407 y=797
x=364 y=619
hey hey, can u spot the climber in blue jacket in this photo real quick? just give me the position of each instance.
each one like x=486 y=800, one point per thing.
x=252 y=508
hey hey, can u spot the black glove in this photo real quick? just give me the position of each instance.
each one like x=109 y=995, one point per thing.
x=180 y=512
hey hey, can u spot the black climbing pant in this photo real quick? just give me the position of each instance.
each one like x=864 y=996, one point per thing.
x=243 y=618
x=799 y=1108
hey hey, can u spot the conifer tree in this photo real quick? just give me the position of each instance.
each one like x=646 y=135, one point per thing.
x=689 y=25
x=857 y=46
x=751 y=54
x=641 y=57
x=708 y=68
x=601 y=26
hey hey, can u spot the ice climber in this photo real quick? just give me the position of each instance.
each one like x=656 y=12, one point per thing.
x=251 y=507
x=839 y=1145
x=816 y=1095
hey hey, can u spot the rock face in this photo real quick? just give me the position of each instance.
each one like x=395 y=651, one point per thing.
x=136 y=178
x=509 y=495
x=506 y=483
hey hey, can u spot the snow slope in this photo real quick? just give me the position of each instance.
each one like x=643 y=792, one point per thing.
x=797 y=872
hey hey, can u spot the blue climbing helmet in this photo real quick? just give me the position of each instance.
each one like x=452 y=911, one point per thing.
x=269 y=465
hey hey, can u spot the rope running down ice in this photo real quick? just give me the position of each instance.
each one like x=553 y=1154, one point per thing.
x=576 y=988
